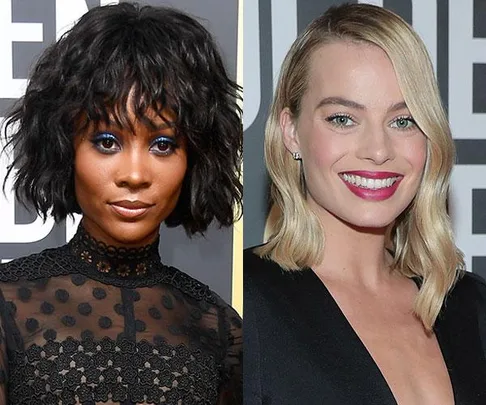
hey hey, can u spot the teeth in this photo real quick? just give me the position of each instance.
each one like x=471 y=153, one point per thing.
x=372 y=184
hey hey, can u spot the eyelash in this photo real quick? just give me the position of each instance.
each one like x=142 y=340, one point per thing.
x=332 y=119
x=165 y=141
x=406 y=118
x=106 y=136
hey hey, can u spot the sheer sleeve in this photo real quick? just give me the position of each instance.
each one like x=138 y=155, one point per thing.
x=3 y=366
x=231 y=389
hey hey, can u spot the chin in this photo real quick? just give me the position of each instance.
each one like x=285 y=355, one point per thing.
x=369 y=221
x=133 y=233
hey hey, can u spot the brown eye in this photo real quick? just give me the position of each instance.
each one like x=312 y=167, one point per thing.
x=163 y=146
x=107 y=143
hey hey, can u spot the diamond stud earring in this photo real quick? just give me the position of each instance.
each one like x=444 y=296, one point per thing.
x=296 y=156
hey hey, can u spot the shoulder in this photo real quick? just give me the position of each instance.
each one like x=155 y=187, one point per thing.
x=263 y=270
x=191 y=287
x=265 y=278
x=469 y=283
x=196 y=290
x=469 y=293
x=256 y=267
x=49 y=262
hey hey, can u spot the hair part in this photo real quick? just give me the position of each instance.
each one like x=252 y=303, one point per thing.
x=421 y=237
x=151 y=58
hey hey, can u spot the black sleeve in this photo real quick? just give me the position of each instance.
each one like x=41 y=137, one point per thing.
x=481 y=303
x=252 y=391
x=3 y=354
x=230 y=392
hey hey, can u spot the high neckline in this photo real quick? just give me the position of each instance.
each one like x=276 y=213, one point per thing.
x=119 y=262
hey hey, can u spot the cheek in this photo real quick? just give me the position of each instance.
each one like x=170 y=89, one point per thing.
x=323 y=148
x=89 y=178
x=170 y=176
x=416 y=153
x=178 y=176
x=179 y=167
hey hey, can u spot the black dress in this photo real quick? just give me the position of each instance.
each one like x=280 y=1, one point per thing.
x=86 y=323
x=300 y=349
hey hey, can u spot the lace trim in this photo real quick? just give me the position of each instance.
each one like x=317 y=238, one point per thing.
x=61 y=261
x=116 y=261
x=80 y=371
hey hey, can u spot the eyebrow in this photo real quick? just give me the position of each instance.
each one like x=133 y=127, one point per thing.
x=353 y=104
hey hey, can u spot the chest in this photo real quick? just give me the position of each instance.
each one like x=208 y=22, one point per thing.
x=106 y=371
x=79 y=341
x=409 y=359
x=327 y=361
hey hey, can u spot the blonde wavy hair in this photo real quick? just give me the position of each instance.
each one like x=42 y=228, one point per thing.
x=421 y=238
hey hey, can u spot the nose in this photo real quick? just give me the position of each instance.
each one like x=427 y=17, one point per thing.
x=375 y=145
x=134 y=172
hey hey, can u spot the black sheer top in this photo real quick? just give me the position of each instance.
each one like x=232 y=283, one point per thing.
x=87 y=323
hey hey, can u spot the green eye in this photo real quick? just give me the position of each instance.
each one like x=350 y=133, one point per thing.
x=403 y=123
x=340 y=120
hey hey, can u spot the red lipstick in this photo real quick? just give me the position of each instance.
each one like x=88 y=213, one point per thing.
x=363 y=184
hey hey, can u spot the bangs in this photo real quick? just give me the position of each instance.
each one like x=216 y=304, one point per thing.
x=128 y=85
x=125 y=110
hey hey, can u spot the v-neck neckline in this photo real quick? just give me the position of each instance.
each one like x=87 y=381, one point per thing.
x=357 y=340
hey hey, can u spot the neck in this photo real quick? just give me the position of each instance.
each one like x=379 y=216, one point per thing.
x=354 y=255
x=119 y=239
x=124 y=262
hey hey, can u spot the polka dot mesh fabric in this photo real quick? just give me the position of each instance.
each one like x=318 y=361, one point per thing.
x=87 y=323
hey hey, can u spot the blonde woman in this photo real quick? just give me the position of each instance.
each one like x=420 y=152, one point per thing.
x=359 y=296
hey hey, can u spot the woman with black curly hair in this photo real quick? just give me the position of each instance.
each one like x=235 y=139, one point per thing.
x=131 y=120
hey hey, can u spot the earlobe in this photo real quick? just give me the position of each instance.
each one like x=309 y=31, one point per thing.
x=289 y=131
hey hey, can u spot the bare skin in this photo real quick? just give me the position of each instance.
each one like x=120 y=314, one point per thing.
x=380 y=312
x=114 y=166
x=353 y=118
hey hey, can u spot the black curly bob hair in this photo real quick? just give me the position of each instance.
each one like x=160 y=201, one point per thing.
x=167 y=61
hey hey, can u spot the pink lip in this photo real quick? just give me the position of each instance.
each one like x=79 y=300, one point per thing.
x=130 y=209
x=369 y=194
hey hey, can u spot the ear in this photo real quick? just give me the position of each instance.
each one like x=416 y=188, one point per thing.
x=288 y=127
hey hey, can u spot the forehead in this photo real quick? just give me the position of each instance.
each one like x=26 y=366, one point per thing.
x=360 y=72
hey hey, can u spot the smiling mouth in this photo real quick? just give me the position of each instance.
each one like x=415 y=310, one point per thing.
x=369 y=183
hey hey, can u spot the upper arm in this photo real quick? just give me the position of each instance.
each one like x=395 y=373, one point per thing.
x=252 y=384
x=3 y=367
x=481 y=286
x=3 y=355
x=231 y=390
